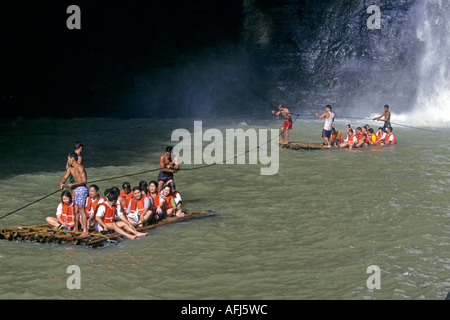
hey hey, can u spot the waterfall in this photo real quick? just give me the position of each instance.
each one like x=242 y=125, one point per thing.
x=432 y=106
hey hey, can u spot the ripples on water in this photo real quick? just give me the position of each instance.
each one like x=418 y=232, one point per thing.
x=309 y=232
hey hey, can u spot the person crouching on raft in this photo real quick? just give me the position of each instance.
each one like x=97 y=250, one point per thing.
x=336 y=137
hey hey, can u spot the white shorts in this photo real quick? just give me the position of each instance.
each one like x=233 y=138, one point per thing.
x=134 y=216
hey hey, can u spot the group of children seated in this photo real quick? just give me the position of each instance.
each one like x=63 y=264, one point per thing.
x=362 y=136
x=123 y=210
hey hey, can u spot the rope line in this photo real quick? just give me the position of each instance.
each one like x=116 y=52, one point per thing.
x=397 y=124
x=147 y=171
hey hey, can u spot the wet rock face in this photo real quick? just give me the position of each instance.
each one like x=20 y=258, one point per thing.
x=320 y=52
x=216 y=58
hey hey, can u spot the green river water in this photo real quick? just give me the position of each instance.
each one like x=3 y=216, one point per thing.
x=310 y=231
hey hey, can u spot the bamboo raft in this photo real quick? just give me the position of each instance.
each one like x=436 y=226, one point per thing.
x=303 y=145
x=44 y=233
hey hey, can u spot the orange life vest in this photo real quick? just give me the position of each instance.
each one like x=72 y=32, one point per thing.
x=350 y=138
x=154 y=199
x=67 y=212
x=92 y=205
x=337 y=137
x=166 y=204
x=379 y=136
x=360 y=137
x=110 y=213
x=388 y=136
x=138 y=205
x=126 y=198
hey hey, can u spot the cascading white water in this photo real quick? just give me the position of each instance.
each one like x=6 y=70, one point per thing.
x=432 y=107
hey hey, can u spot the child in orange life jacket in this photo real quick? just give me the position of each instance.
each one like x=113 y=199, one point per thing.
x=106 y=216
x=64 y=213
x=167 y=203
x=390 y=137
x=138 y=211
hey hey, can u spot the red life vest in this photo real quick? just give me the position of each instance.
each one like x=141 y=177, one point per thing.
x=67 y=212
x=110 y=213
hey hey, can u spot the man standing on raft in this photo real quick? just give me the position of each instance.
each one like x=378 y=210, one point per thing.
x=168 y=168
x=387 y=118
x=81 y=192
x=287 y=125
x=328 y=126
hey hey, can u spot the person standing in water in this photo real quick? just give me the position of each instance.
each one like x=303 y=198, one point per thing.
x=387 y=118
x=328 y=126
x=287 y=125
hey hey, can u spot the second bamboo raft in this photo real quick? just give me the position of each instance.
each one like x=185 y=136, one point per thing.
x=44 y=233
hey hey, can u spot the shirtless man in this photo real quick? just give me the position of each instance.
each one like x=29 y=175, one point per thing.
x=78 y=149
x=287 y=125
x=387 y=118
x=329 y=118
x=168 y=168
x=81 y=192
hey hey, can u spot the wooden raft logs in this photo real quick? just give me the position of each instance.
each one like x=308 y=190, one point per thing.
x=303 y=145
x=45 y=234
